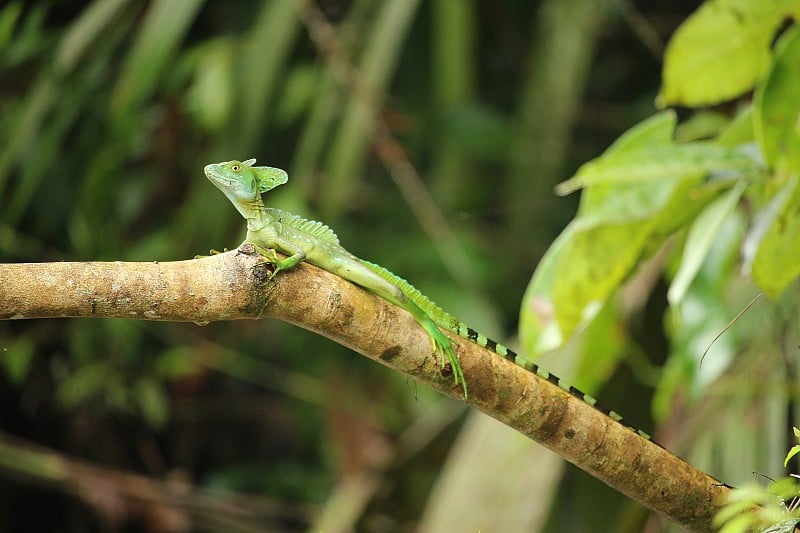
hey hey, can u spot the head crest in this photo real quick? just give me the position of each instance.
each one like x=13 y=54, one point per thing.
x=269 y=177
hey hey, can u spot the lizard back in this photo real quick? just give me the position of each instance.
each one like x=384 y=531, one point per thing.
x=439 y=316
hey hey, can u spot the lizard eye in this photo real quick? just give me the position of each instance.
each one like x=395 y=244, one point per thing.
x=236 y=168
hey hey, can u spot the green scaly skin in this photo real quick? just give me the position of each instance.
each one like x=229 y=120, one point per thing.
x=307 y=240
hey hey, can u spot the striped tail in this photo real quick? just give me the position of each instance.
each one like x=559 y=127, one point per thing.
x=481 y=340
x=447 y=321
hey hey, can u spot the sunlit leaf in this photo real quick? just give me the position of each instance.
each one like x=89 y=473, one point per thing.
x=740 y=524
x=739 y=131
x=657 y=129
x=539 y=331
x=777 y=107
x=591 y=265
x=702 y=125
x=794 y=451
x=653 y=131
x=776 y=264
x=732 y=510
x=702 y=234
x=647 y=153
x=641 y=190
x=721 y=50
x=658 y=163
x=601 y=346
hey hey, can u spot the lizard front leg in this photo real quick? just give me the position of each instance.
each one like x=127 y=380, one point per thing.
x=296 y=255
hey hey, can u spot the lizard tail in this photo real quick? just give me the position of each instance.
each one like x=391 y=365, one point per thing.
x=447 y=321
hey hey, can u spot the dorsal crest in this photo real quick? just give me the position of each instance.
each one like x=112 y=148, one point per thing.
x=311 y=227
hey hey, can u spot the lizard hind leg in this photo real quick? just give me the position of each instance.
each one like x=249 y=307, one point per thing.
x=401 y=293
x=442 y=344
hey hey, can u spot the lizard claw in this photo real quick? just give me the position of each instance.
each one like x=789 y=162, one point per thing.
x=268 y=254
x=210 y=253
x=443 y=345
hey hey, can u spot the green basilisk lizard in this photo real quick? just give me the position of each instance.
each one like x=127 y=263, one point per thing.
x=300 y=240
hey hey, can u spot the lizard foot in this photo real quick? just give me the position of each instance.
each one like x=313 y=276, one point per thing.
x=211 y=252
x=442 y=344
x=270 y=255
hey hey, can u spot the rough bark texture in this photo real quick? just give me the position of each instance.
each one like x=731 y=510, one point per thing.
x=235 y=285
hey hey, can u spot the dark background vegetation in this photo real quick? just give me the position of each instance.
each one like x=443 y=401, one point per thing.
x=108 y=112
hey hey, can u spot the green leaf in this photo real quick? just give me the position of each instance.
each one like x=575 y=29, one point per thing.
x=777 y=107
x=591 y=265
x=85 y=31
x=739 y=130
x=794 y=451
x=655 y=130
x=643 y=188
x=16 y=360
x=683 y=201
x=300 y=91
x=164 y=25
x=702 y=234
x=600 y=347
x=787 y=526
x=731 y=511
x=152 y=401
x=602 y=204
x=784 y=488
x=262 y=61
x=9 y=16
x=211 y=96
x=647 y=154
x=588 y=260
x=657 y=163
x=702 y=125
x=721 y=50
x=86 y=382
x=658 y=129
x=539 y=331
x=740 y=524
x=776 y=264
x=590 y=360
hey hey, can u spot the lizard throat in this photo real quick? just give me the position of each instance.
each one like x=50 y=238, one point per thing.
x=256 y=216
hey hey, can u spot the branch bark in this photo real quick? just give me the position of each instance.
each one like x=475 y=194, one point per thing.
x=236 y=285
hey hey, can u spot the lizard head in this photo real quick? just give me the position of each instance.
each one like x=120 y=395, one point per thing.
x=244 y=183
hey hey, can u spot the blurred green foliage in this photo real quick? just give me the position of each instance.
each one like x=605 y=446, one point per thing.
x=720 y=206
x=110 y=108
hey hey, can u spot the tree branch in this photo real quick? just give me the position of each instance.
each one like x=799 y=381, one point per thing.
x=236 y=285
x=163 y=504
